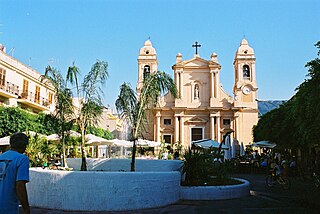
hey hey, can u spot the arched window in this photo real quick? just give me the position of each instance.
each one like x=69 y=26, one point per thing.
x=146 y=71
x=246 y=72
x=196 y=91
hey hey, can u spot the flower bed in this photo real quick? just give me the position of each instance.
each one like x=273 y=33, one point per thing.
x=215 y=192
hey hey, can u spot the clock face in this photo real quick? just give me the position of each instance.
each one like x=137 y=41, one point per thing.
x=246 y=90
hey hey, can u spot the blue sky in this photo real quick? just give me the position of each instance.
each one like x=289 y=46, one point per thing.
x=282 y=33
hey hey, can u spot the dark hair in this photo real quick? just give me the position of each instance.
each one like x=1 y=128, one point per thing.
x=19 y=140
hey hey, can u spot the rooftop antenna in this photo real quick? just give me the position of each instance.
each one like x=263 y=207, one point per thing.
x=31 y=58
x=11 y=51
x=51 y=60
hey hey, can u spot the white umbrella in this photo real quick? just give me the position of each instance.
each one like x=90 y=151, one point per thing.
x=150 y=143
x=93 y=140
x=55 y=137
x=227 y=153
x=5 y=141
x=242 y=151
x=264 y=144
x=117 y=142
x=207 y=143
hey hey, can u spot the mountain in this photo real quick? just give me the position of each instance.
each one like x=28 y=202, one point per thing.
x=268 y=105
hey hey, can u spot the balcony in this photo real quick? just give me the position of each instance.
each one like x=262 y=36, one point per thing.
x=30 y=99
x=8 y=89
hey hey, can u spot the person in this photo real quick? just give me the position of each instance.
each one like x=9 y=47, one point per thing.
x=165 y=155
x=176 y=155
x=277 y=169
x=14 y=174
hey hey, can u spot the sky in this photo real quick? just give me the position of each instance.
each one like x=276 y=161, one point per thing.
x=282 y=33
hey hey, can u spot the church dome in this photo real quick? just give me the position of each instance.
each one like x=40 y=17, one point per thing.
x=147 y=49
x=245 y=48
x=147 y=43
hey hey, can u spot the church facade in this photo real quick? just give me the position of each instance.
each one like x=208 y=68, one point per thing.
x=203 y=109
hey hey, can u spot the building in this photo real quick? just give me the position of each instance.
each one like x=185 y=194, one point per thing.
x=21 y=86
x=110 y=121
x=204 y=109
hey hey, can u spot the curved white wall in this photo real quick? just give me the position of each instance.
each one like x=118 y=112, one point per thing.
x=215 y=192
x=101 y=191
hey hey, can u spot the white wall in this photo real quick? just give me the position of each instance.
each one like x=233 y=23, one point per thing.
x=142 y=165
x=98 y=191
x=215 y=192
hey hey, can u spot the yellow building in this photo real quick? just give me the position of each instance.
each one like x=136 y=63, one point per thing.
x=204 y=109
x=20 y=85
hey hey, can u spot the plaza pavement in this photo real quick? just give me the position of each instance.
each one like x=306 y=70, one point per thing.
x=301 y=198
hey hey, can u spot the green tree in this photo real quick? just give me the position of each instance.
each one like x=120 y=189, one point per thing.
x=15 y=119
x=307 y=103
x=99 y=132
x=133 y=108
x=89 y=107
x=296 y=123
x=63 y=105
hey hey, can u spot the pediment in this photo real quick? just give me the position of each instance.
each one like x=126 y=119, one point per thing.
x=167 y=129
x=196 y=119
x=196 y=62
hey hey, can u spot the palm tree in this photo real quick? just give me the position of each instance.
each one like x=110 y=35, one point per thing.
x=89 y=97
x=63 y=104
x=133 y=107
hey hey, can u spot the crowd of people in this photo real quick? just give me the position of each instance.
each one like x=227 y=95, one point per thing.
x=284 y=163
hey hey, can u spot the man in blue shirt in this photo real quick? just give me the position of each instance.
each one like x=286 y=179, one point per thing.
x=14 y=174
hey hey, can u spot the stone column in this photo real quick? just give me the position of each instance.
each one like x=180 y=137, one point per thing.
x=236 y=125
x=216 y=82
x=212 y=127
x=182 y=130
x=177 y=76
x=253 y=72
x=181 y=85
x=218 y=128
x=176 y=129
x=212 y=88
x=158 y=135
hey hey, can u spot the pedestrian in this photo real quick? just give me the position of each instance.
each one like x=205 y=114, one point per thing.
x=14 y=174
x=176 y=155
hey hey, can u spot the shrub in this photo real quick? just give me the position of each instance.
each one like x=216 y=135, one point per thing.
x=202 y=167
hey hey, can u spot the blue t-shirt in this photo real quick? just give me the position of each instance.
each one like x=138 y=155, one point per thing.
x=13 y=167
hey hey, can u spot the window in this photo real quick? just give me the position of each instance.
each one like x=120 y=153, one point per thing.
x=226 y=122
x=167 y=121
x=50 y=97
x=196 y=91
x=196 y=134
x=25 y=89
x=146 y=71
x=37 y=95
x=2 y=77
x=167 y=138
x=246 y=72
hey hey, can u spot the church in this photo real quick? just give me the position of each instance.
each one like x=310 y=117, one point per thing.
x=203 y=110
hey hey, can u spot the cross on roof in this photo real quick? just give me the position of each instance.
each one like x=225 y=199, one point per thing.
x=196 y=45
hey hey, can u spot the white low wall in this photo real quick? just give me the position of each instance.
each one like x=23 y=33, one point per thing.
x=102 y=191
x=215 y=192
x=115 y=165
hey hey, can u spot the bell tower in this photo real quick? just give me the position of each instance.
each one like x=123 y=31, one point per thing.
x=245 y=86
x=147 y=63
